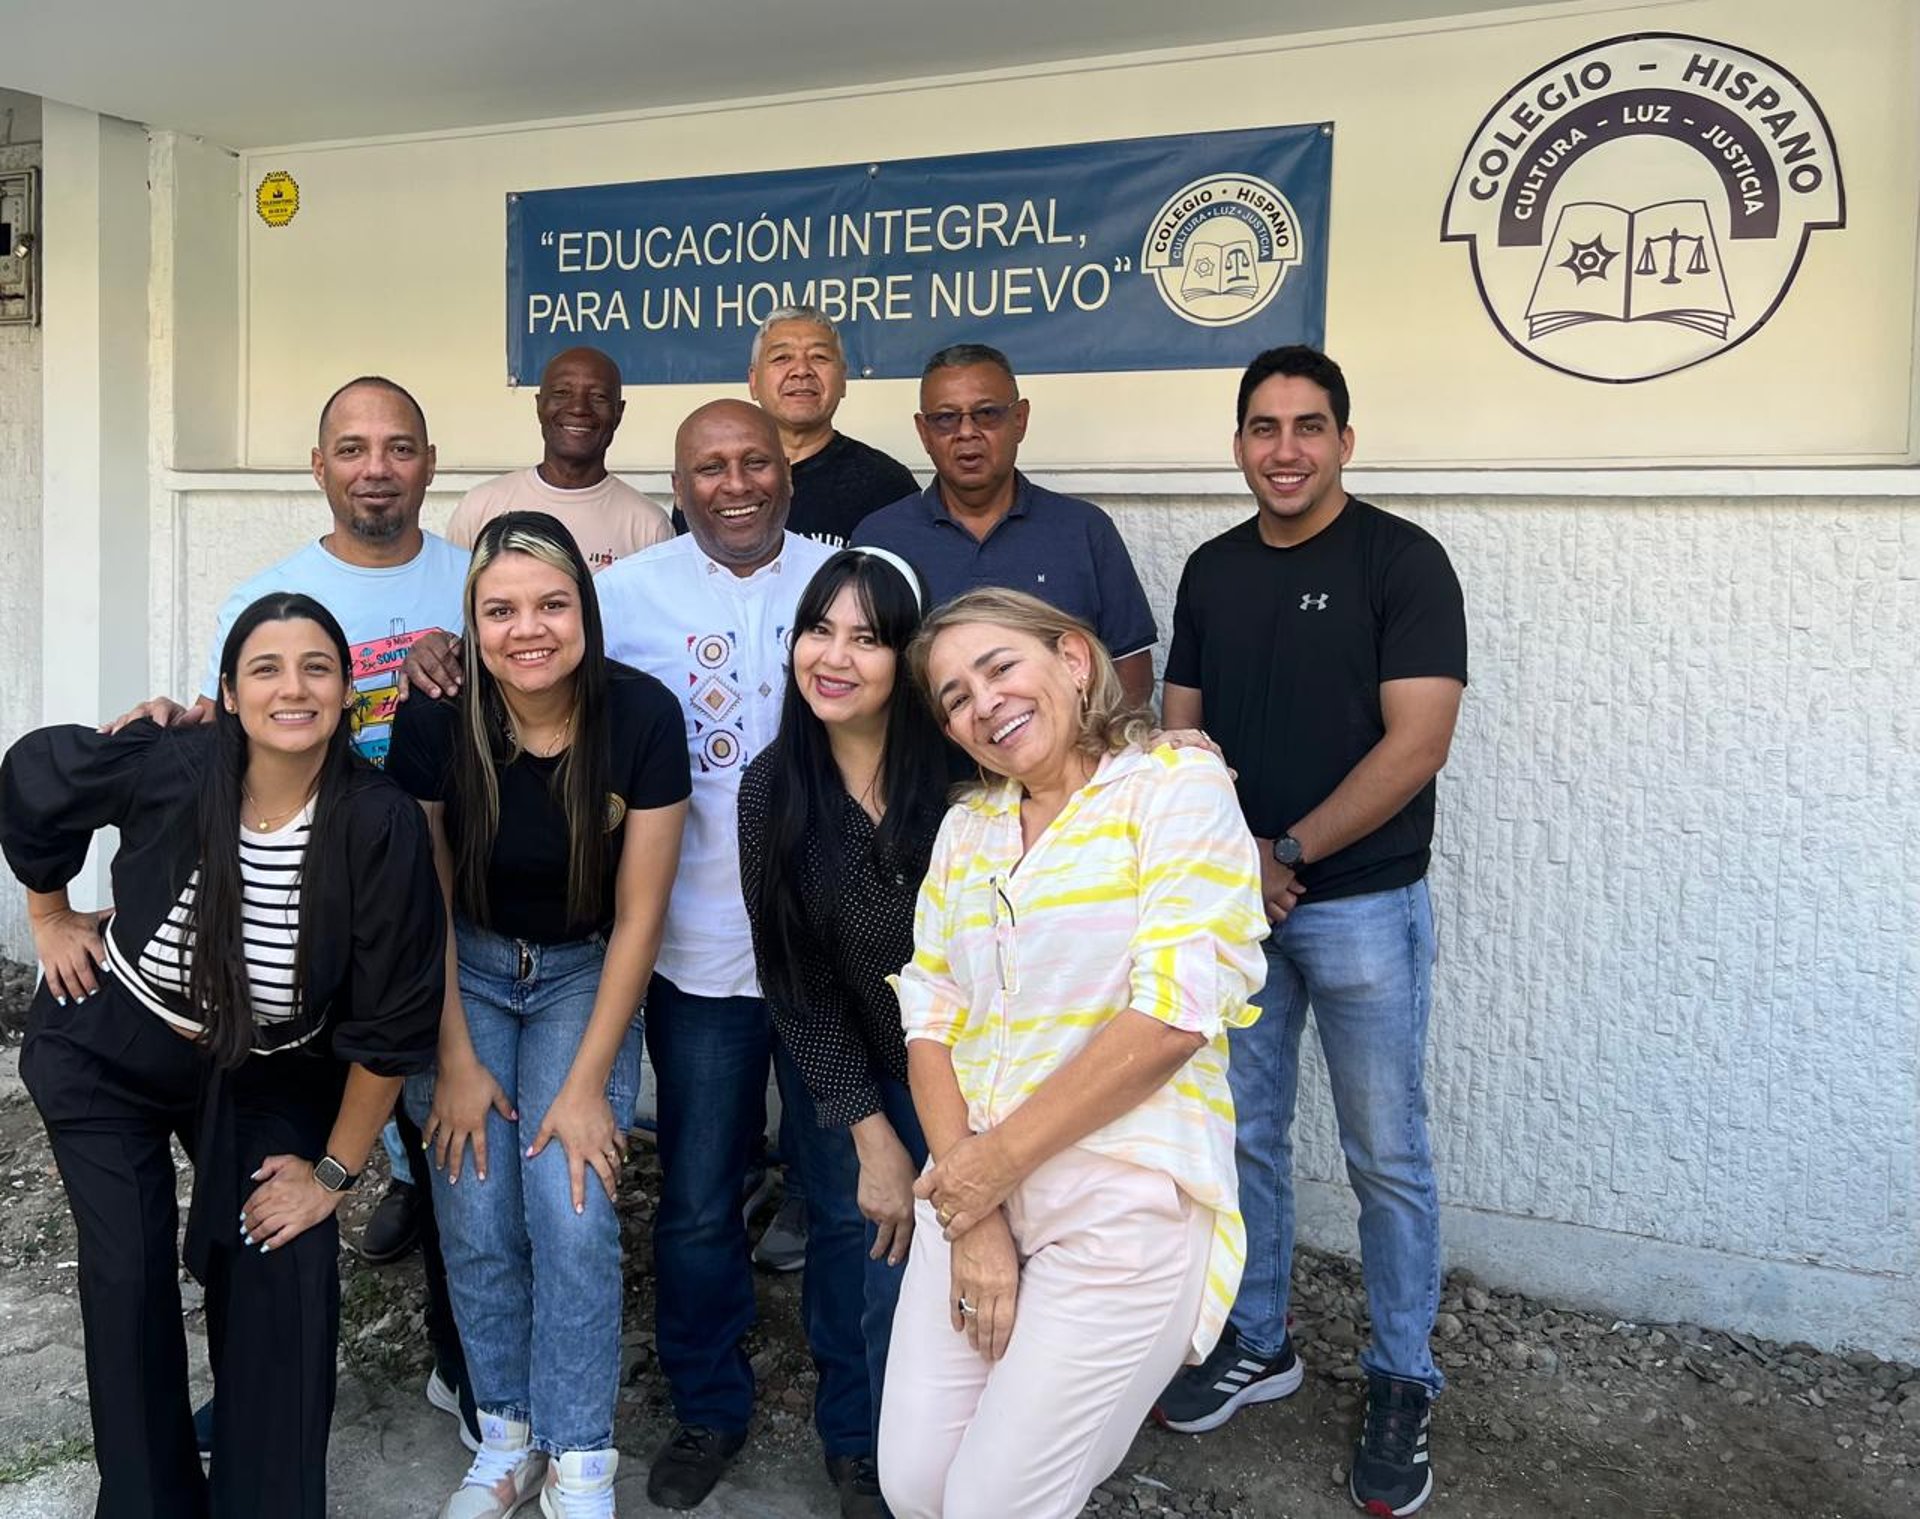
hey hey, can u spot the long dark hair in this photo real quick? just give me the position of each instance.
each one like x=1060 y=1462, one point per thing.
x=805 y=788
x=217 y=983
x=487 y=742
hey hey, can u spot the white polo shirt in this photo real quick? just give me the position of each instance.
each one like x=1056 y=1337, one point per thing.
x=718 y=641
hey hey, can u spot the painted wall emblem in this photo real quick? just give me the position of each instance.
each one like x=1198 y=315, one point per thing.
x=1643 y=205
x=1219 y=248
x=277 y=198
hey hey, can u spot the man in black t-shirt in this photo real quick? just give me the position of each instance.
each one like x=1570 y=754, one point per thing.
x=797 y=374
x=1323 y=645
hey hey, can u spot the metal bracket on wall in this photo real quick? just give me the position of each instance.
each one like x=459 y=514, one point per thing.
x=19 y=247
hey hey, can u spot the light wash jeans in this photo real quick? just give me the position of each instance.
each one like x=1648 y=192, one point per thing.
x=535 y=1286
x=1365 y=966
x=399 y=1163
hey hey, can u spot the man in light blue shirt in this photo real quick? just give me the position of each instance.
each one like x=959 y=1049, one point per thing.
x=384 y=579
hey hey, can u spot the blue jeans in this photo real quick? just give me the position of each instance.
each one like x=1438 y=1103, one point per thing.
x=832 y=1290
x=399 y=1164
x=882 y=1283
x=710 y=1057
x=535 y=1286
x=1365 y=966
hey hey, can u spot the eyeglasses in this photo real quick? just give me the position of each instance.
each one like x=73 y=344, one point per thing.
x=986 y=418
x=1005 y=961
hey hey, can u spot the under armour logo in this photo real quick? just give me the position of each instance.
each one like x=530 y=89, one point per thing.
x=1314 y=603
x=1040 y=579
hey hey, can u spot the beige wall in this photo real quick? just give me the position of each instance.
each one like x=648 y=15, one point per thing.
x=1674 y=866
x=395 y=261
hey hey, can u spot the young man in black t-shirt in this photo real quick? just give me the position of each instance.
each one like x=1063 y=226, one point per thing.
x=1323 y=645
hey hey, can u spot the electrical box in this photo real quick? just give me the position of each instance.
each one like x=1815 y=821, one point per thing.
x=19 y=246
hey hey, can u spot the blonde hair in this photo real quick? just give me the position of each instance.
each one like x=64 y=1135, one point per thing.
x=1109 y=723
x=581 y=781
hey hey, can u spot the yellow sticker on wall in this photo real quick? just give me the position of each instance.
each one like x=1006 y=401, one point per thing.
x=277 y=198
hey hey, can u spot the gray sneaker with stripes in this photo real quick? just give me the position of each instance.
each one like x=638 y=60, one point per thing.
x=1204 y=1397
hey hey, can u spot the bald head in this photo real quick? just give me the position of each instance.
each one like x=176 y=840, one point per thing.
x=591 y=361
x=715 y=415
x=373 y=382
x=730 y=480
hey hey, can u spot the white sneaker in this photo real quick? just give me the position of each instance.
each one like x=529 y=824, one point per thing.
x=580 y=1485
x=444 y=1398
x=504 y=1476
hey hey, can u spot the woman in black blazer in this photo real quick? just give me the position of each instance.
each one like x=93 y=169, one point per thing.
x=272 y=968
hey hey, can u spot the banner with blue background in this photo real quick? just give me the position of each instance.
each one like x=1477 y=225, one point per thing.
x=1189 y=252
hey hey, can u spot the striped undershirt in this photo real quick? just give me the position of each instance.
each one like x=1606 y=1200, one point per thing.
x=270 y=927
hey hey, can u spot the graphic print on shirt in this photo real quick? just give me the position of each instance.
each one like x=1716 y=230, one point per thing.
x=376 y=689
x=713 y=702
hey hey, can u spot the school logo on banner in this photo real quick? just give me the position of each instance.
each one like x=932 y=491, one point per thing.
x=1219 y=248
x=1643 y=205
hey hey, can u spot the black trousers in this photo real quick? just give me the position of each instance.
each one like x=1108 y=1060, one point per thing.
x=114 y=1085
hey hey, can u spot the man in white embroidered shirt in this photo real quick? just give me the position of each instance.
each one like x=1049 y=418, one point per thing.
x=710 y=614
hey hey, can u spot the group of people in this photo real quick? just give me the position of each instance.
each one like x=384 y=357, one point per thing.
x=1029 y=964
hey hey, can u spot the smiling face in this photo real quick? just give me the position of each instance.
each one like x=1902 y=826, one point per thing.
x=526 y=618
x=843 y=670
x=288 y=689
x=579 y=407
x=1291 y=452
x=976 y=458
x=1008 y=699
x=730 y=479
x=374 y=463
x=800 y=376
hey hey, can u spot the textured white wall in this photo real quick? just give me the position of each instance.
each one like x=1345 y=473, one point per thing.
x=1678 y=885
x=19 y=546
x=1676 y=1042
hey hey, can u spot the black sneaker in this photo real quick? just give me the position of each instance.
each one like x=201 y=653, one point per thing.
x=687 y=1466
x=1204 y=1397
x=857 y=1480
x=1391 y=1473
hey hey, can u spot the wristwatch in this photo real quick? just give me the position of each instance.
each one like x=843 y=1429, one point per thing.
x=1287 y=851
x=334 y=1176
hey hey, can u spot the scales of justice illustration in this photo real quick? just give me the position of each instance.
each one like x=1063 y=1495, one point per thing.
x=1605 y=263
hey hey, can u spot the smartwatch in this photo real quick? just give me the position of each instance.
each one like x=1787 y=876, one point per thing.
x=333 y=1176
x=1287 y=851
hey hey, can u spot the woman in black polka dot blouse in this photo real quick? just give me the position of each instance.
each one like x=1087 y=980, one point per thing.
x=837 y=819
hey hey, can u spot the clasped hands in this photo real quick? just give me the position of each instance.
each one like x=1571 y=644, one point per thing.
x=966 y=1189
x=968 y=1184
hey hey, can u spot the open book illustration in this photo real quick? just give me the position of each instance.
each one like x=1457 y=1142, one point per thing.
x=1220 y=261
x=1607 y=264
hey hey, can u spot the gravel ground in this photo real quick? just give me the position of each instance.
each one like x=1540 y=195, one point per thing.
x=1547 y=1409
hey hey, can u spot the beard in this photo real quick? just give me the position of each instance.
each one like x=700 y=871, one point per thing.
x=378 y=527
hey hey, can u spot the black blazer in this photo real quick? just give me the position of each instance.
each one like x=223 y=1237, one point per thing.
x=376 y=970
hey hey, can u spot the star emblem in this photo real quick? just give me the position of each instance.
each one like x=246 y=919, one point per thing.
x=1588 y=261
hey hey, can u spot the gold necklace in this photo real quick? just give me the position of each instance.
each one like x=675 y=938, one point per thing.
x=559 y=741
x=268 y=822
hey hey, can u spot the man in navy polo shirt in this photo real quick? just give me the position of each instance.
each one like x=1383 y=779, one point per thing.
x=983 y=523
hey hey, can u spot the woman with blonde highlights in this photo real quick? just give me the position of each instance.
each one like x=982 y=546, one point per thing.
x=1088 y=930
x=556 y=785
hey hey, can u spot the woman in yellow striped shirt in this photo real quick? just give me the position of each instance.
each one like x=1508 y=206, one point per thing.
x=1088 y=930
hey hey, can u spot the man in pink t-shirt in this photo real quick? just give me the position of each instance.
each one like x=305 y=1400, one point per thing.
x=579 y=406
